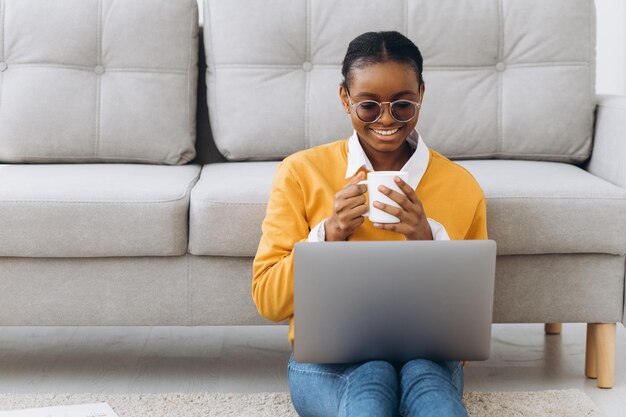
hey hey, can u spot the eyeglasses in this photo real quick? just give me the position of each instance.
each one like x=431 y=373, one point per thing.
x=369 y=111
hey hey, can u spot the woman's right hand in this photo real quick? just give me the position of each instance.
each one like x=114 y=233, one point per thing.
x=348 y=210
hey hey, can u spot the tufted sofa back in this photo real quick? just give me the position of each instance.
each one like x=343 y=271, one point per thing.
x=510 y=79
x=98 y=81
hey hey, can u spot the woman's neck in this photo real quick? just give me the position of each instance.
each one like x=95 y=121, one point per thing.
x=389 y=162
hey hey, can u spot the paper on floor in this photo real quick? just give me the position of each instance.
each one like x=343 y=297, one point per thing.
x=79 y=410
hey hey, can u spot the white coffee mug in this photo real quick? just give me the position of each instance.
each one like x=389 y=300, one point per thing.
x=373 y=181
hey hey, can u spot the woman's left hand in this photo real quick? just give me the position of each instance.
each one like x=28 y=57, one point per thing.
x=413 y=223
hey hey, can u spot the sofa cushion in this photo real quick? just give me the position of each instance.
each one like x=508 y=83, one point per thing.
x=549 y=207
x=90 y=210
x=227 y=208
x=501 y=82
x=98 y=81
x=532 y=208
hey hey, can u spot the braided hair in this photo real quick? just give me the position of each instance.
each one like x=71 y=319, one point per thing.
x=377 y=47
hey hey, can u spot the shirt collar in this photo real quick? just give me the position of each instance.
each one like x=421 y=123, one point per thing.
x=415 y=166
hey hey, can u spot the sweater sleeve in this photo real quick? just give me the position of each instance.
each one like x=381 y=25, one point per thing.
x=284 y=225
x=478 y=228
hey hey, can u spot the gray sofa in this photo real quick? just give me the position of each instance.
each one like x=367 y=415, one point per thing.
x=121 y=205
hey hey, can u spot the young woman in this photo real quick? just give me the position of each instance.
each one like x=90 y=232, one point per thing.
x=316 y=196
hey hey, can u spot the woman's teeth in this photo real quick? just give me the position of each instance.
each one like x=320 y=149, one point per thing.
x=385 y=132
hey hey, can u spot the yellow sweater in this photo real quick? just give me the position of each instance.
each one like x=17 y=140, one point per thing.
x=303 y=194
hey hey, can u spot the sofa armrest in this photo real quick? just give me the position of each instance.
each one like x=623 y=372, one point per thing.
x=609 y=145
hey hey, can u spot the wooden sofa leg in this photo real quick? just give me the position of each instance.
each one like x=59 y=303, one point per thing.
x=600 y=353
x=605 y=354
x=553 y=328
x=591 y=370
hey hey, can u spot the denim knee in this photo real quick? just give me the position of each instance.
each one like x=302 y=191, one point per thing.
x=382 y=368
x=431 y=388
x=448 y=370
x=373 y=390
x=316 y=389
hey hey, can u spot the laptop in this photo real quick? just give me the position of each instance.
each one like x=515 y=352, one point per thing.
x=393 y=300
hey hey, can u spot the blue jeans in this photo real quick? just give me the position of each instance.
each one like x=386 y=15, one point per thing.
x=418 y=387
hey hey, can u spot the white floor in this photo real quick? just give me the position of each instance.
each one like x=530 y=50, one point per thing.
x=254 y=359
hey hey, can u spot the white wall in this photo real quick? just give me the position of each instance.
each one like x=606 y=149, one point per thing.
x=200 y=10
x=611 y=46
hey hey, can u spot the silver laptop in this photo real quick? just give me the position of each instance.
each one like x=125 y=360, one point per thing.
x=393 y=300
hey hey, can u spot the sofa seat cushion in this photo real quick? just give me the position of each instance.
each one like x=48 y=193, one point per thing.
x=228 y=206
x=533 y=207
x=550 y=207
x=90 y=210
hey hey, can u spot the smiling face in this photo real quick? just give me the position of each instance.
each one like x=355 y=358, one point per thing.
x=382 y=82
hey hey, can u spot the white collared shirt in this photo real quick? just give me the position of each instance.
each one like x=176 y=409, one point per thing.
x=415 y=167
